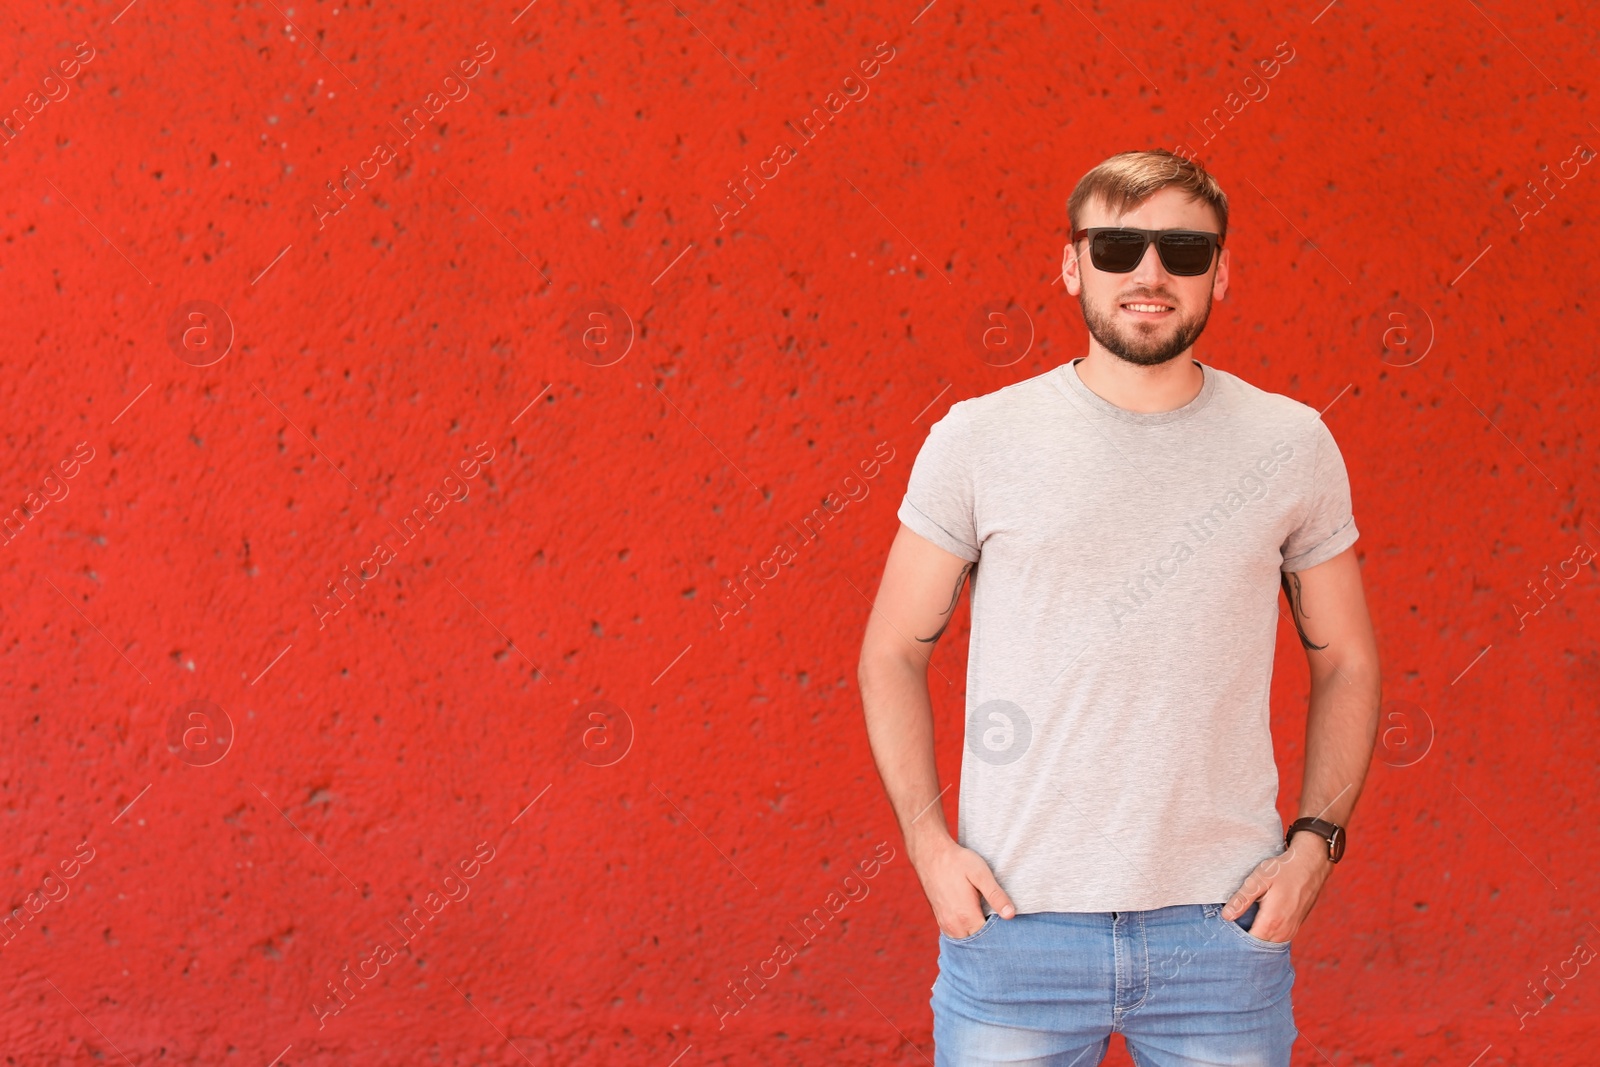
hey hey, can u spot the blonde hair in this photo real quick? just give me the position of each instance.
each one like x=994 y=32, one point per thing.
x=1128 y=179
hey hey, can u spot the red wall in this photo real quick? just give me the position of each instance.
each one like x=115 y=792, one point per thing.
x=226 y=867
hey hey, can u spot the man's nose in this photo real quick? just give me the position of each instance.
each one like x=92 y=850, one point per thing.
x=1150 y=270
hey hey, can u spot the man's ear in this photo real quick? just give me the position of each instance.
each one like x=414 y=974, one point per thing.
x=1069 y=269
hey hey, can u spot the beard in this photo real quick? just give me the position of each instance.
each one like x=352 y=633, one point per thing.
x=1142 y=344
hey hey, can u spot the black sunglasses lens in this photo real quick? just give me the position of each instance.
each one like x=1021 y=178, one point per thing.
x=1185 y=254
x=1117 y=251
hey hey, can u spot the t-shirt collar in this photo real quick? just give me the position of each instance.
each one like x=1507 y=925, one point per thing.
x=1066 y=379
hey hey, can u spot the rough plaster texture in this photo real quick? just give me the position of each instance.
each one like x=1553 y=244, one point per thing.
x=374 y=754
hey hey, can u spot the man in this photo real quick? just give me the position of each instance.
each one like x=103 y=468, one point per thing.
x=1126 y=521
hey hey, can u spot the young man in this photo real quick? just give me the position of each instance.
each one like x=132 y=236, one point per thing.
x=1126 y=520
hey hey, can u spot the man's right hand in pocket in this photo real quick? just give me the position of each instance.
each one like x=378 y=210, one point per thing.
x=955 y=879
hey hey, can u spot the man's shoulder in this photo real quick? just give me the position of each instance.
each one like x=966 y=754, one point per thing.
x=1005 y=404
x=1261 y=404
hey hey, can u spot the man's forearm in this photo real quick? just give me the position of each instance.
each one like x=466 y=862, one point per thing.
x=1340 y=728
x=899 y=716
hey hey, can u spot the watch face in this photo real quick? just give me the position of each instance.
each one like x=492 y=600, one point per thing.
x=1336 y=844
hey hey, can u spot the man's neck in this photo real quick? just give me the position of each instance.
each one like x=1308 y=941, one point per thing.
x=1146 y=390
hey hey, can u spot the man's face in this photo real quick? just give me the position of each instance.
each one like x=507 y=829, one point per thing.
x=1142 y=337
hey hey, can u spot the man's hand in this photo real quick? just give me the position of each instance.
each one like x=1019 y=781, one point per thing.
x=1287 y=886
x=953 y=877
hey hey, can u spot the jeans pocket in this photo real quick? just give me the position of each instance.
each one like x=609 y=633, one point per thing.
x=993 y=918
x=1242 y=924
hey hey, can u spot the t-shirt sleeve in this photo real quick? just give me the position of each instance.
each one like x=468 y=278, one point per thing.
x=1327 y=526
x=938 y=504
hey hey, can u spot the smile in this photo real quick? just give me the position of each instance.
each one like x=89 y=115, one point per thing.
x=1147 y=311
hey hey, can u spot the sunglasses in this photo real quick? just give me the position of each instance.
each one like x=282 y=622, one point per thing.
x=1119 y=249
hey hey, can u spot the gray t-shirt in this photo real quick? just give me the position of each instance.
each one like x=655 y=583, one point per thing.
x=1125 y=608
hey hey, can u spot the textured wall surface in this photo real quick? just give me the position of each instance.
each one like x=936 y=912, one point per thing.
x=522 y=376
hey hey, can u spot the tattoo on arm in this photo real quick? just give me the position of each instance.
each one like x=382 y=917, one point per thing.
x=949 y=612
x=1297 y=608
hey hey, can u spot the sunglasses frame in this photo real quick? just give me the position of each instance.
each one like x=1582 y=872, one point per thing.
x=1214 y=240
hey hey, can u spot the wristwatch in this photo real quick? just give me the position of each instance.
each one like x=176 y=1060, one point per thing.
x=1333 y=832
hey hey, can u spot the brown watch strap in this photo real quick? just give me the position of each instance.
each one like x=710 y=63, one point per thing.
x=1333 y=833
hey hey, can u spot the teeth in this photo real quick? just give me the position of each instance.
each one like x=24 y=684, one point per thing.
x=1147 y=307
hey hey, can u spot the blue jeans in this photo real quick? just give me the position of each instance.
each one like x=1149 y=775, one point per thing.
x=1184 y=986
